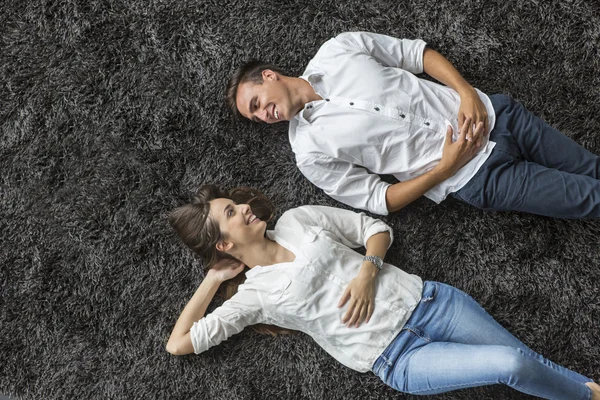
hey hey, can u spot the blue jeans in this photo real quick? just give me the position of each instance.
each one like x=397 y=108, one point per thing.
x=450 y=342
x=534 y=168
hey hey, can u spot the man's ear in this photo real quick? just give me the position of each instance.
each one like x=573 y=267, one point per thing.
x=270 y=75
x=224 y=246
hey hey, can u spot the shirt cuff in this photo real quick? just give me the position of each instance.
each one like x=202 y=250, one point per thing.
x=379 y=227
x=377 y=203
x=197 y=332
x=418 y=52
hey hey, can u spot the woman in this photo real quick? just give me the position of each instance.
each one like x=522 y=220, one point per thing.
x=418 y=337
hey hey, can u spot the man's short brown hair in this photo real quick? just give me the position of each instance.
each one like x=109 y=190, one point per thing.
x=249 y=72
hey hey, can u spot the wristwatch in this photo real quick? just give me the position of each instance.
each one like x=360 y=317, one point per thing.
x=377 y=261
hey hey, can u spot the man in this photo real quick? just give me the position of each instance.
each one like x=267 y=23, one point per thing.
x=359 y=110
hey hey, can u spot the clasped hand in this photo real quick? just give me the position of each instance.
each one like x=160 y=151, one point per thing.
x=361 y=293
x=456 y=154
x=473 y=108
x=225 y=269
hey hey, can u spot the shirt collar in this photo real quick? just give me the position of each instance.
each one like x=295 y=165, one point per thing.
x=312 y=77
x=315 y=80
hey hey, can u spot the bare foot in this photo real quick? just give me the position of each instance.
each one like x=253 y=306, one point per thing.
x=595 y=390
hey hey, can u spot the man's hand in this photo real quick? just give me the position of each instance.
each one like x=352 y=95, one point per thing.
x=361 y=293
x=472 y=107
x=225 y=269
x=456 y=154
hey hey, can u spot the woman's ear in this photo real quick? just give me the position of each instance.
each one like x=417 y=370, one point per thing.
x=224 y=246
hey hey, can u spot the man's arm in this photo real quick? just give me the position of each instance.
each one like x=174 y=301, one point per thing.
x=348 y=183
x=454 y=156
x=355 y=186
x=413 y=56
x=471 y=106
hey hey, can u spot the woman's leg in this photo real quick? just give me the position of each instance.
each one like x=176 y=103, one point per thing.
x=441 y=367
x=451 y=342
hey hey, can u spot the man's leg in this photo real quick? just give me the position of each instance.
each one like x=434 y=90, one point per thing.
x=540 y=143
x=522 y=173
x=509 y=184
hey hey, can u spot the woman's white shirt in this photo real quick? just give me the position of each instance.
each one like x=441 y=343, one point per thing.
x=303 y=294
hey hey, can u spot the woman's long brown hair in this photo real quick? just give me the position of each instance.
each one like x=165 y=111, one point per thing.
x=201 y=234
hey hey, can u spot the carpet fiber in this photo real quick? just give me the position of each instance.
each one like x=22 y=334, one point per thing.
x=112 y=112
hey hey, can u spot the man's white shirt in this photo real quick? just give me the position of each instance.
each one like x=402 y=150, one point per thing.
x=376 y=117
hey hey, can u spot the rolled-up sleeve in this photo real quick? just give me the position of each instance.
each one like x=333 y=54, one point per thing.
x=388 y=51
x=350 y=228
x=232 y=317
x=348 y=183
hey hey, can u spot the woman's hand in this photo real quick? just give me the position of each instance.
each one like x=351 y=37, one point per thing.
x=361 y=293
x=225 y=269
x=180 y=342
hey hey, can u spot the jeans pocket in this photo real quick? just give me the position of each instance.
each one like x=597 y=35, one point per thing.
x=466 y=196
x=429 y=291
x=418 y=332
x=381 y=368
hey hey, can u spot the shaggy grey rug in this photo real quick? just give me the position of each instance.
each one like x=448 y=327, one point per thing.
x=112 y=112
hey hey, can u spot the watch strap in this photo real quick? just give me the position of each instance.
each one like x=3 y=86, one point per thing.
x=375 y=260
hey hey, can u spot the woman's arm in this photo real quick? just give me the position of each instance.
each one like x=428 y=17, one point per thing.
x=180 y=342
x=351 y=229
x=361 y=290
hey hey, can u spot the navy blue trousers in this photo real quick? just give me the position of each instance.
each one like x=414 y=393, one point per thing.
x=534 y=168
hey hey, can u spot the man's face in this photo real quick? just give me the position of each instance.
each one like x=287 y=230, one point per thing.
x=269 y=102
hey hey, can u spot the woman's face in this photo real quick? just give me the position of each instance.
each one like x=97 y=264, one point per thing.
x=236 y=222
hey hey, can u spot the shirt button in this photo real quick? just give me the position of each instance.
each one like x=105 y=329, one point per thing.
x=427 y=123
x=376 y=108
x=403 y=116
x=326 y=99
x=351 y=103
